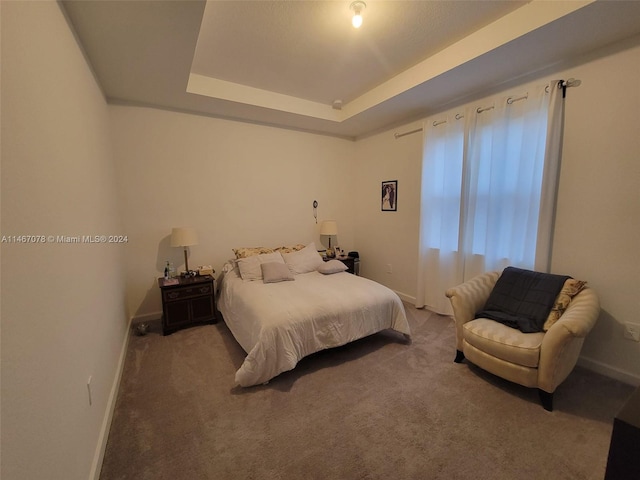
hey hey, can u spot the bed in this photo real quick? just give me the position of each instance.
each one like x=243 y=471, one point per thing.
x=279 y=323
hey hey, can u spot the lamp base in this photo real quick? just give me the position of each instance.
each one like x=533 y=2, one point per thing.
x=186 y=262
x=330 y=251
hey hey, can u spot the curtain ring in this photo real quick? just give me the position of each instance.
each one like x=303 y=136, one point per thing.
x=511 y=100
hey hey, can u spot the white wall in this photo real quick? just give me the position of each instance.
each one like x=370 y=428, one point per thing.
x=597 y=232
x=63 y=312
x=389 y=238
x=597 y=235
x=238 y=184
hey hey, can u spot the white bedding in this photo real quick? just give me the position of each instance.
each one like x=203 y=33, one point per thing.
x=278 y=324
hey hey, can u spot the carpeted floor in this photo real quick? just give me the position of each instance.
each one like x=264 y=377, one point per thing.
x=374 y=409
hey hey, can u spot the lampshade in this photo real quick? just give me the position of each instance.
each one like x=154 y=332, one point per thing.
x=329 y=227
x=183 y=236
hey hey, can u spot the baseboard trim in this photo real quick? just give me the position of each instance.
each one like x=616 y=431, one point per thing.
x=98 y=457
x=609 y=371
x=146 y=317
x=406 y=298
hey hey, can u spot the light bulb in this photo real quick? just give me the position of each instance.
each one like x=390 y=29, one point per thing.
x=356 y=21
x=357 y=8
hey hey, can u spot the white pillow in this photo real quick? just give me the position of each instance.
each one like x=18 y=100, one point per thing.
x=250 y=267
x=303 y=261
x=274 y=272
x=332 y=266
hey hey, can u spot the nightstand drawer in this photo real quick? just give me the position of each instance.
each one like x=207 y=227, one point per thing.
x=186 y=292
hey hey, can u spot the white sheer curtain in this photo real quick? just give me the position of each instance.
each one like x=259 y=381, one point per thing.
x=489 y=189
x=439 y=257
x=551 y=175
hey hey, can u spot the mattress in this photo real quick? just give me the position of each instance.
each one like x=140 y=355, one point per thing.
x=278 y=324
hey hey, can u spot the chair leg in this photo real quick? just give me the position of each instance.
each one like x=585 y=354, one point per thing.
x=459 y=356
x=546 y=399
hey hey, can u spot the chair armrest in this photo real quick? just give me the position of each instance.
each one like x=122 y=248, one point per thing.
x=469 y=297
x=581 y=315
x=562 y=343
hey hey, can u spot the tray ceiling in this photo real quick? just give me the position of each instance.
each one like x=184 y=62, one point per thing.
x=286 y=63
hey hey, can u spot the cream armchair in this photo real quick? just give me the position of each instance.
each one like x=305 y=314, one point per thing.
x=540 y=360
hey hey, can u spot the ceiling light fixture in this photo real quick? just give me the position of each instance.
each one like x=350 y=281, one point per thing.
x=357 y=8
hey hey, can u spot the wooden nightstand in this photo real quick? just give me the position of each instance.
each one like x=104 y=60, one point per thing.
x=189 y=302
x=350 y=262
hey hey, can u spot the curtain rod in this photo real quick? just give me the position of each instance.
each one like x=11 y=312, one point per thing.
x=564 y=84
x=398 y=135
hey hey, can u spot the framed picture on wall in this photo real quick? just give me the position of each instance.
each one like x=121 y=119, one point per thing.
x=389 y=201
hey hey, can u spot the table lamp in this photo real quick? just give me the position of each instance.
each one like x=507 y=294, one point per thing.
x=329 y=228
x=184 y=237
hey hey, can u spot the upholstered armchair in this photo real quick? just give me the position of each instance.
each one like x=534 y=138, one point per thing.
x=541 y=360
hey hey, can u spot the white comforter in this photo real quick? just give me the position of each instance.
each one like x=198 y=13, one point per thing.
x=278 y=324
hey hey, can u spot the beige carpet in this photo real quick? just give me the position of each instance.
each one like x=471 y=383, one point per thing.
x=375 y=409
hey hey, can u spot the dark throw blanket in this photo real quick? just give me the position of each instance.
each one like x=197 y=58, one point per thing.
x=522 y=299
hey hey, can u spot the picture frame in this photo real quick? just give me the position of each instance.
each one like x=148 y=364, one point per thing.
x=389 y=197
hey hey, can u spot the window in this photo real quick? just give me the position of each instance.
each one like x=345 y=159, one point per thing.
x=483 y=178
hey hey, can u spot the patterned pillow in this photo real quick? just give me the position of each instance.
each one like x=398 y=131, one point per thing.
x=569 y=290
x=245 y=252
x=289 y=249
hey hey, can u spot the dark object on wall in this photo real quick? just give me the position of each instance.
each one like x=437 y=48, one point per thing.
x=624 y=462
x=354 y=254
x=389 y=201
